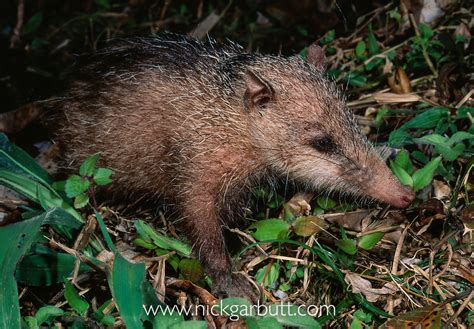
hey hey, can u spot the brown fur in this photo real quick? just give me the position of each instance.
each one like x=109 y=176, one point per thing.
x=198 y=126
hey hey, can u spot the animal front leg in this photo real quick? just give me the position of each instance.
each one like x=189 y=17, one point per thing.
x=204 y=230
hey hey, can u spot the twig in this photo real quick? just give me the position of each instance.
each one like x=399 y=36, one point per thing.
x=460 y=309
x=398 y=251
x=423 y=47
x=20 y=12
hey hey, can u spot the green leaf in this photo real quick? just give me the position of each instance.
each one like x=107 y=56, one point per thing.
x=369 y=241
x=18 y=161
x=347 y=245
x=103 y=4
x=33 y=23
x=422 y=177
x=399 y=137
x=293 y=316
x=269 y=229
x=460 y=136
x=364 y=317
x=79 y=304
x=427 y=119
x=88 y=166
x=268 y=276
x=19 y=235
x=146 y=233
x=125 y=283
x=450 y=153
x=102 y=176
x=47 y=313
x=356 y=324
x=31 y=188
x=191 y=269
x=326 y=203
x=328 y=37
x=235 y=308
x=401 y=174
x=81 y=201
x=403 y=161
x=76 y=185
x=35 y=269
x=105 y=319
x=373 y=46
x=360 y=50
x=432 y=139
x=308 y=225
x=193 y=324
x=262 y=323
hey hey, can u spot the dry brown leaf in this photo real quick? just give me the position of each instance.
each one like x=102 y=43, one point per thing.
x=399 y=82
x=359 y=284
x=423 y=318
x=388 y=98
x=467 y=217
x=309 y=225
x=299 y=205
x=441 y=189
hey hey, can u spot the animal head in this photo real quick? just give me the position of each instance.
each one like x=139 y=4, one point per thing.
x=304 y=130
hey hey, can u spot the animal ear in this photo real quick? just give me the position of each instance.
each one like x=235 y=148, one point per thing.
x=258 y=93
x=315 y=56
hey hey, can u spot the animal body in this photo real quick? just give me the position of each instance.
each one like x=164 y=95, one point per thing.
x=197 y=125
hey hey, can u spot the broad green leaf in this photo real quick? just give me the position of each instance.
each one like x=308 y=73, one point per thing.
x=432 y=139
x=191 y=269
x=293 y=316
x=35 y=269
x=260 y=322
x=18 y=161
x=162 y=319
x=356 y=324
x=401 y=174
x=88 y=166
x=47 y=313
x=460 y=136
x=308 y=225
x=125 y=282
x=399 y=137
x=403 y=160
x=33 y=23
x=235 y=308
x=373 y=46
x=369 y=241
x=326 y=203
x=363 y=316
x=360 y=50
x=102 y=176
x=450 y=153
x=19 y=235
x=422 y=177
x=105 y=319
x=152 y=308
x=427 y=119
x=192 y=324
x=268 y=276
x=269 y=229
x=328 y=37
x=149 y=235
x=79 y=304
x=347 y=245
x=31 y=188
x=76 y=185
x=103 y=4
x=81 y=201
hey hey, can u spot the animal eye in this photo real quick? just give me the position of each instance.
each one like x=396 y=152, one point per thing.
x=323 y=144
